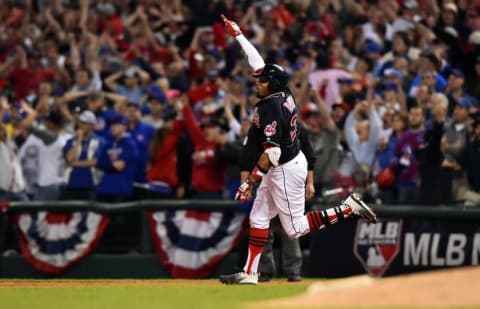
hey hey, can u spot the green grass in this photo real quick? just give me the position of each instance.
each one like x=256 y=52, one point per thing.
x=177 y=295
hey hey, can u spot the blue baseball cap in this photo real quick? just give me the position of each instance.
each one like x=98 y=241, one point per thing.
x=464 y=102
x=372 y=47
x=457 y=73
x=134 y=104
x=390 y=86
x=345 y=80
x=392 y=72
x=156 y=93
x=118 y=118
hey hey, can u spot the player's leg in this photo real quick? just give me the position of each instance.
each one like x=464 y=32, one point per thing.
x=266 y=265
x=288 y=193
x=261 y=214
x=296 y=224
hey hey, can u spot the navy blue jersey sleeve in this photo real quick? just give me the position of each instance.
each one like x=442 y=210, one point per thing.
x=250 y=151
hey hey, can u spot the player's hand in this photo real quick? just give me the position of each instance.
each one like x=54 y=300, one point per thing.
x=119 y=165
x=243 y=192
x=231 y=27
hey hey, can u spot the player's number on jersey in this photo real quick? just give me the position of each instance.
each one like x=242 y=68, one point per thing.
x=293 y=131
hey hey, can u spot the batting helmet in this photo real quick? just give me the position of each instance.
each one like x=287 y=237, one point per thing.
x=276 y=75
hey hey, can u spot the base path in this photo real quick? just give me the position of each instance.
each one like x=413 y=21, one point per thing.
x=444 y=288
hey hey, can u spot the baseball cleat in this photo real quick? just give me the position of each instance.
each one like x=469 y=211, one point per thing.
x=239 y=278
x=360 y=208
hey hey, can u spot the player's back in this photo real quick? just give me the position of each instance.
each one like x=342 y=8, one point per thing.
x=275 y=123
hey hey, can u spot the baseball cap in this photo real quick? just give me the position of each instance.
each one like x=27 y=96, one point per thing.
x=341 y=105
x=372 y=47
x=310 y=110
x=106 y=9
x=427 y=53
x=130 y=72
x=464 y=102
x=451 y=7
x=457 y=73
x=87 y=117
x=345 y=80
x=391 y=72
x=390 y=86
x=172 y=93
x=451 y=31
x=211 y=122
x=474 y=37
x=118 y=118
x=55 y=117
x=133 y=104
x=410 y=4
x=156 y=93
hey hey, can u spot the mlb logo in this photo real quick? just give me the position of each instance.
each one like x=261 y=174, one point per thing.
x=377 y=244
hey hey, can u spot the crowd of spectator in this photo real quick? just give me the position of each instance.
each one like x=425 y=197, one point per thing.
x=117 y=100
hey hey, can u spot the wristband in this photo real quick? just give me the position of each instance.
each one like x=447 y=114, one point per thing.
x=258 y=173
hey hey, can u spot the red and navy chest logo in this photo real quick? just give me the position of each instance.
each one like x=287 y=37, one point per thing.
x=270 y=129
x=377 y=244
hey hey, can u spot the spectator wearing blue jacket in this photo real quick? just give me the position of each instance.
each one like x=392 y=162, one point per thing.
x=117 y=160
x=141 y=133
x=81 y=153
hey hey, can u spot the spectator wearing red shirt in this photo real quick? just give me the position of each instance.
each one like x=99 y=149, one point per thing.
x=29 y=74
x=208 y=176
x=162 y=173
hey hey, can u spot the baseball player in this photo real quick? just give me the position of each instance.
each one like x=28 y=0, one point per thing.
x=281 y=167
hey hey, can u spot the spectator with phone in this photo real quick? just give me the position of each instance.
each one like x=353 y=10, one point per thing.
x=81 y=153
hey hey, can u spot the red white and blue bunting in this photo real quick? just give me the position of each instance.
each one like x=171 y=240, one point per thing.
x=52 y=242
x=190 y=243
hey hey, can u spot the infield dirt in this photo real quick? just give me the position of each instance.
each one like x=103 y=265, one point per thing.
x=435 y=289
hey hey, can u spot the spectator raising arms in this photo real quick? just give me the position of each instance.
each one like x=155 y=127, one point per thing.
x=64 y=57
x=52 y=139
x=208 y=174
x=362 y=134
x=162 y=154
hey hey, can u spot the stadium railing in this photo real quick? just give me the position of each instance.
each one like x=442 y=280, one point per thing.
x=385 y=211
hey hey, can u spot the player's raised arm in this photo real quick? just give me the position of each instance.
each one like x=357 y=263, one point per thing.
x=253 y=56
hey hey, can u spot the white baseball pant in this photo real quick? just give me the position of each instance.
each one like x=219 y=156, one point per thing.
x=282 y=193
